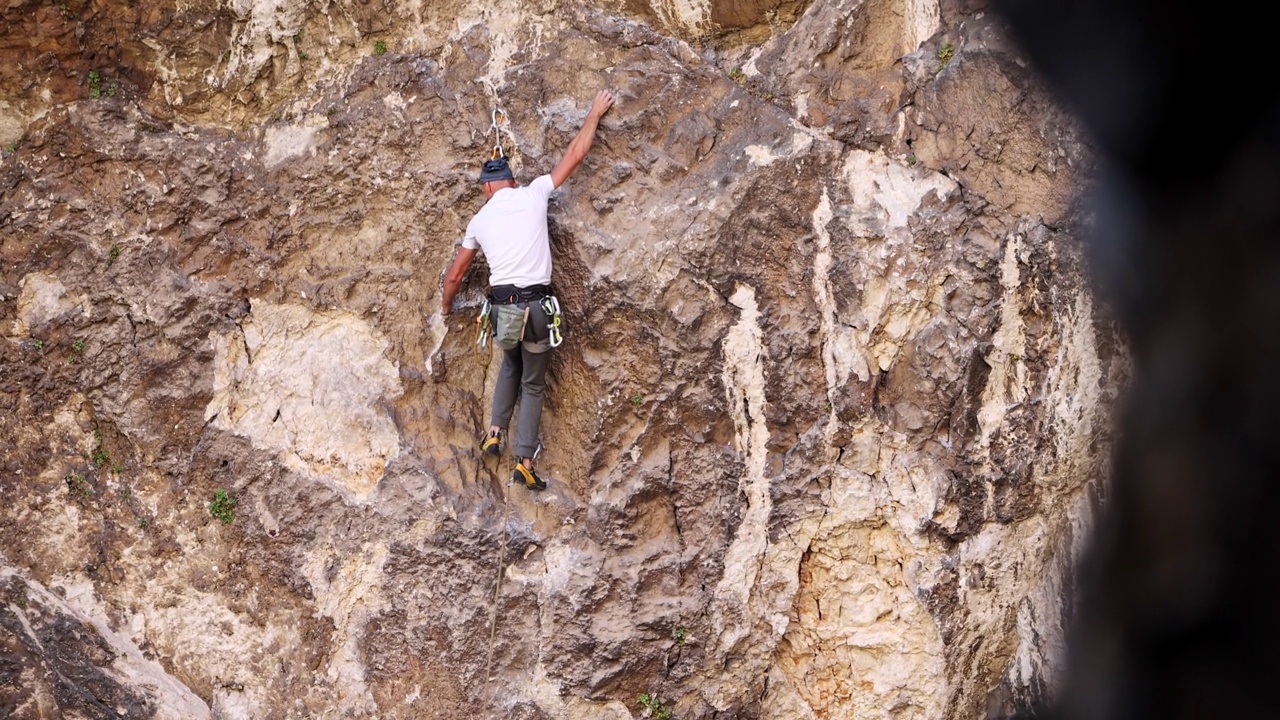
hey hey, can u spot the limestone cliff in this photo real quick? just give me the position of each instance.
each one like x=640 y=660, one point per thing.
x=824 y=439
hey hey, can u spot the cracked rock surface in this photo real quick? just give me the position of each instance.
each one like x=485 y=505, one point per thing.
x=826 y=435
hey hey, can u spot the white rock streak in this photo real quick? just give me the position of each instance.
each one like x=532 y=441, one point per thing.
x=884 y=196
x=886 y=193
x=764 y=156
x=43 y=298
x=291 y=141
x=259 y=26
x=692 y=14
x=436 y=330
x=744 y=385
x=350 y=597
x=308 y=385
x=921 y=22
x=173 y=700
x=837 y=348
x=1075 y=382
x=511 y=30
x=1007 y=383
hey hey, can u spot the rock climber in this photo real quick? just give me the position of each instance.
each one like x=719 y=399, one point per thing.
x=511 y=230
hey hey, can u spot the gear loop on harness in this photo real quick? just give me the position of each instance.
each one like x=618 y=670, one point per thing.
x=551 y=306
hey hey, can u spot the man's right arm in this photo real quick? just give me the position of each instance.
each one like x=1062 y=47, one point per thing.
x=454 y=277
x=581 y=142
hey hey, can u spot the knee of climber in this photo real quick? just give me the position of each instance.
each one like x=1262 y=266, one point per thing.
x=533 y=388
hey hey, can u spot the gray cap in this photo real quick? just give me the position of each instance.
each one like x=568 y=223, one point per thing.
x=496 y=169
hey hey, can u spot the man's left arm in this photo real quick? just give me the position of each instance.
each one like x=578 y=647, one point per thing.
x=581 y=142
x=454 y=277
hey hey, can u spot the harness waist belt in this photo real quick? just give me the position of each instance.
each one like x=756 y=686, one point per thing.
x=510 y=294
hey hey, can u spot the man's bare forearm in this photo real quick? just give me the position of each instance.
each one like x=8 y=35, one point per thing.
x=453 y=278
x=451 y=288
x=581 y=142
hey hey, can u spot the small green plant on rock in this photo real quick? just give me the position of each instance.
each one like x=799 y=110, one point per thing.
x=682 y=636
x=652 y=707
x=945 y=53
x=113 y=254
x=34 y=343
x=223 y=506
x=77 y=351
x=97 y=89
x=77 y=485
x=636 y=399
x=380 y=47
x=99 y=454
x=738 y=76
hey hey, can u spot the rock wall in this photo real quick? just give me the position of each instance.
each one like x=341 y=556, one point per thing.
x=824 y=440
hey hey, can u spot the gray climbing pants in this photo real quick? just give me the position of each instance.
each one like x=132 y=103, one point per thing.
x=524 y=377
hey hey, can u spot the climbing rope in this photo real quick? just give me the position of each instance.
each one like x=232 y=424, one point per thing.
x=497 y=583
x=484 y=330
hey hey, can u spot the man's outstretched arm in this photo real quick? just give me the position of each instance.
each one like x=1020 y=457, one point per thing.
x=581 y=142
x=453 y=278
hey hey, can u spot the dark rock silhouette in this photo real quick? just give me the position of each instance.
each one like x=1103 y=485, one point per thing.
x=1177 y=617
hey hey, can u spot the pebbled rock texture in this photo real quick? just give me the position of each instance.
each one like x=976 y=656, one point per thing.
x=825 y=438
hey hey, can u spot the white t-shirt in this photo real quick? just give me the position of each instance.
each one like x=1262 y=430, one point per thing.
x=511 y=231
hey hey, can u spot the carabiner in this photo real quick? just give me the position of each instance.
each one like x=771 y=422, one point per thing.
x=497 y=133
x=483 y=321
x=551 y=306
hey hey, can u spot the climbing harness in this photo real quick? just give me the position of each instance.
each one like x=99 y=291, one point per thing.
x=497 y=133
x=551 y=306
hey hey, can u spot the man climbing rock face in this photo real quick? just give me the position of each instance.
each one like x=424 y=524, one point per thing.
x=511 y=230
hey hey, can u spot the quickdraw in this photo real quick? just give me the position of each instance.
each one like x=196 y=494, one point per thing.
x=484 y=326
x=551 y=306
x=497 y=133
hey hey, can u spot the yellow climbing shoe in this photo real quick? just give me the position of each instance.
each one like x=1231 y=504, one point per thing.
x=527 y=476
x=492 y=443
